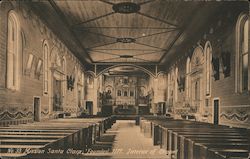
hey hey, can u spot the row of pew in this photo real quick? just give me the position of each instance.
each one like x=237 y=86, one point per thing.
x=27 y=140
x=185 y=139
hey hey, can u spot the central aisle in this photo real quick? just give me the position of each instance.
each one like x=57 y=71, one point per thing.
x=129 y=142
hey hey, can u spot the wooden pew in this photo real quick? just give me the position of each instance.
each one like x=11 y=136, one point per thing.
x=221 y=149
x=60 y=133
x=184 y=135
x=187 y=148
x=181 y=140
x=164 y=127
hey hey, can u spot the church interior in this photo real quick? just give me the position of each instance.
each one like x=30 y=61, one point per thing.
x=124 y=79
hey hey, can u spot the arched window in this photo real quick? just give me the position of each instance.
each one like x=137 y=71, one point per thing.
x=245 y=56
x=208 y=66
x=45 y=67
x=242 y=54
x=13 y=50
x=188 y=70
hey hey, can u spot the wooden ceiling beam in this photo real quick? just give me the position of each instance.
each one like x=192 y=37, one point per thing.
x=142 y=59
x=100 y=34
x=157 y=19
x=105 y=44
x=140 y=37
x=158 y=33
x=148 y=53
x=142 y=3
x=131 y=49
x=110 y=3
x=150 y=46
x=122 y=27
x=93 y=19
x=124 y=63
x=108 y=59
x=101 y=52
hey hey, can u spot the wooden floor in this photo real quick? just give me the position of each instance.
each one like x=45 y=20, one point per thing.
x=124 y=140
x=133 y=143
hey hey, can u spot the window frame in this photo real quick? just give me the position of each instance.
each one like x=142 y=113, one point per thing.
x=208 y=68
x=64 y=69
x=13 y=55
x=45 y=68
x=188 y=71
x=242 y=19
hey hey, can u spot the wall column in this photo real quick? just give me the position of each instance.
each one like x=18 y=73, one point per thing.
x=156 y=99
x=95 y=102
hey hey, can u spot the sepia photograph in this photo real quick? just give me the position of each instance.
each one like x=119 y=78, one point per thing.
x=124 y=79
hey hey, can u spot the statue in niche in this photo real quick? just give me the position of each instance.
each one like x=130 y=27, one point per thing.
x=108 y=94
x=105 y=96
x=225 y=56
x=70 y=82
x=120 y=81
x=142 y=92
x=125 y=81
x=131 y=81
x=90 y=80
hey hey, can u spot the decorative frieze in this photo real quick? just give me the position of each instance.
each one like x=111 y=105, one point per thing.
x=235 y=115
x=13 y=113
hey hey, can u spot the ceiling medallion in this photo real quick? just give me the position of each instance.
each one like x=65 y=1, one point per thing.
x=126 y=7
x=126 y=56
x=125 y=40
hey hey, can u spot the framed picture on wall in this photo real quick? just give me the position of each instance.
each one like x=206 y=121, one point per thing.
x=38 y=68
x=29 y=64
